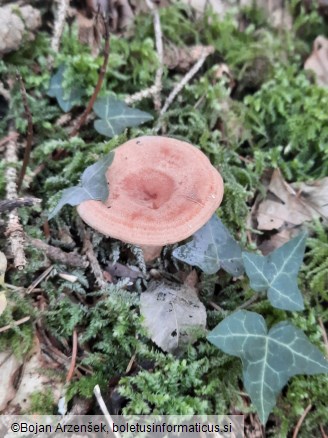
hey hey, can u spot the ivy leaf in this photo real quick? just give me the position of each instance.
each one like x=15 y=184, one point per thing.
x=93 y=186
x=115 y=116
x=269 y=359
x=211 y=248
x=277 y=272
x=66 y=102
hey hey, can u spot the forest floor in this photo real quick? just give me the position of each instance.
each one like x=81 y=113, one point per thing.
x=246 y=84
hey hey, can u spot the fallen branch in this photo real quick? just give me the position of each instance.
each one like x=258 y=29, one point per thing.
x=29 y=139
x=10 y=204
x=57 y=255
x=97 y=89
x=160 y=55
x=14 y=230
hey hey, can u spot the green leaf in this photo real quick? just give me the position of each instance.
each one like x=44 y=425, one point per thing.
x=211 y=248
x=269 y=359
x=115 y=116
x=56 y=90
x=277 y=272
x=93 y=186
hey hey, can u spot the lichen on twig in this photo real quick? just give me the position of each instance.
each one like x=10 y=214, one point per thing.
x=14 y=230
x=160 y=54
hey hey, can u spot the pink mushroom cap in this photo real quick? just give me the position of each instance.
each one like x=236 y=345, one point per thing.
x=161 y=191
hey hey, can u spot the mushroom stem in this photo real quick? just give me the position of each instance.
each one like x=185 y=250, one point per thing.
x=151 y=252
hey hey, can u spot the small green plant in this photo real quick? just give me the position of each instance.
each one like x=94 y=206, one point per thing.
x=269 y=358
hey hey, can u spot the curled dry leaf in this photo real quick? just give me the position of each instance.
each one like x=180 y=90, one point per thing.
x=9 y=370
x=292 y=203
x=91 y=26
x=171 y=312
x=183 y=58
x=32 y=379
x=318 y=60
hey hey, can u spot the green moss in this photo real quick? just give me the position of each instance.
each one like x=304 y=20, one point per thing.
x=42 y=403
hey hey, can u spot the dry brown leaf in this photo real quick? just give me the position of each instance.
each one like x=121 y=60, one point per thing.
x=285 y=207
x=278 y=239
x=318 y=61
x=9 y=371
x=33 y=379
x=183 y=58
x=315 y=195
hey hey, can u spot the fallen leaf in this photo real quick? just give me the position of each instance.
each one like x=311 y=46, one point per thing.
x=183 y=58
x=120 y=270
x=170 y=313
x=288 y=205
x=32 y=380
x=318 y=60
x=314 y=195
x=9 y=369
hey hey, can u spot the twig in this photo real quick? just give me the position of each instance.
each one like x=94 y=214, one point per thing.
x=160 y=55
x=247 y=303
x=104 y=410
x=143 y=94
x=324 y=334
x=40 y=278
x=73 y=360
x=323 y=433
x=14 y=229
x=89 y=252
x=57 y=255
x=300 y=421
x=97 y=89
x=58 y=29
x=15 y=323
x=10 y=204
x=216 y=307
x=29 y=139
x=180 y=85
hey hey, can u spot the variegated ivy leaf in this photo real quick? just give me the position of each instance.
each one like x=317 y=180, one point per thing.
x=115 y=116
x=93 y=186
x=269 y=358
x=66 y=101
x=211 y=248
x=277 y=272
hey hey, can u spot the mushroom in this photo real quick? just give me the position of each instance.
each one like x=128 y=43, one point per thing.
x=161 y=191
